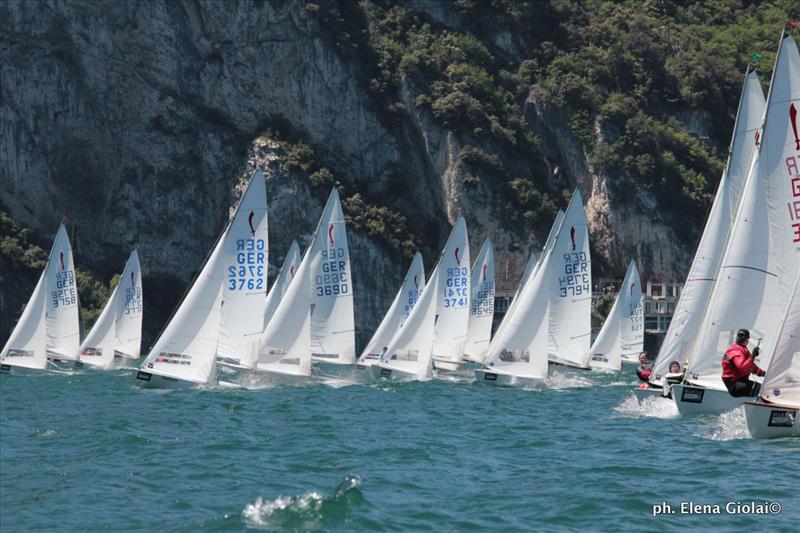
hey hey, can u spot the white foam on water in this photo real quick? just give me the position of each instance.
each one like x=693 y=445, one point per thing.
x=47 y=434
x=295 y=512
x=653 y=407
x=731 y=425
x=557 y=380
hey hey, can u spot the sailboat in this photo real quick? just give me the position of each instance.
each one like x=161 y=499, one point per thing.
x=622 y=334
x=117 y=333
x=291 y=263
x=333 y=337
x=49 y=328
x=285 y=346
x=762 y=256
x=776 y=412
x=409 y=354
x=685 y=324
x=519 y=352
x=481 y=305
x=223 y=311
x=398 y=313
x=452 y=302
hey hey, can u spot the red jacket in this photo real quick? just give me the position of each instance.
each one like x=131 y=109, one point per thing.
x=738 y=363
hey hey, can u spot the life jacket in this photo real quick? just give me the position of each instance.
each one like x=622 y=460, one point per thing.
x=738 y=364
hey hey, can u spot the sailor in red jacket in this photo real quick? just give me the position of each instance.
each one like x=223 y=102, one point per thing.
x=738 y=364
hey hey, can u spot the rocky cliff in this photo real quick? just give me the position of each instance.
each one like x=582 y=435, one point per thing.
x=140 y=120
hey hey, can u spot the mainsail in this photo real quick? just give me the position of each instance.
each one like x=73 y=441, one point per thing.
x=333 y=337
x=762 y=256
x=569 y=281
x=285 y=344
x=244 y=288
x=685 y=324
x=290 y=265
x=452 y=302
x=782 y=380
x=27 y=345
x=622 y=333
x=401 y=307
x=118 y=329
x=481 y=305
x=61 y=317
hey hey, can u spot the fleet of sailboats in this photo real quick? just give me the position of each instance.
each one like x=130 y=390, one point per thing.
x=745 y=273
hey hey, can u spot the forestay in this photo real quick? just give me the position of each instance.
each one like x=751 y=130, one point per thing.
x=622 y=333
x=332 y=322
x=762 y=257
x=452 y=302
x=244 y=288
x=401 y=308
x=481 y=304
x=61 y=300
x=118 y=329
x=569 y=280
x=685 y=324
x=782 y=381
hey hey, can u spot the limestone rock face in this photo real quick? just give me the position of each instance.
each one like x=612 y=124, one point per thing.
x=141 y=121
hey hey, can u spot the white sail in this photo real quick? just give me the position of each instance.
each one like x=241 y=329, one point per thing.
x=411 y=348
x=782 y=380
x=290 y=265
x=762 y=257
x=452 y=302
x=285 y=344
x=481 y=307
x=62 y=322
x=622 y=333
x=244 y=289
x=401 y=307
x=569 y=276
x=534 y=262
x=186 y=349
x=685 y=324
x=333 y=337
x=118 y=329
x=27 y=345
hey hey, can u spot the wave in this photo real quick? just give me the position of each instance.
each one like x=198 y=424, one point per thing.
x=311 y=510
x=731 y=425
x=653 y=407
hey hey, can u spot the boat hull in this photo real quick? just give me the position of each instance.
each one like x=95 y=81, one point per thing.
x=380 y=371
x=20 y=370
x=771 y=421
x=692 y=400
x=569 y=364
x=483 y=375
x=332 y=359
x=447 y=365
x=643 y=394
x=148 y=380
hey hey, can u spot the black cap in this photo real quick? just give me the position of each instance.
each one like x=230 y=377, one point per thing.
x=742 y=334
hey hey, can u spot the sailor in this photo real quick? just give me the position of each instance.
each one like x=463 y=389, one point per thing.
x=645 y=368
x=737 y=365
x=382 y=357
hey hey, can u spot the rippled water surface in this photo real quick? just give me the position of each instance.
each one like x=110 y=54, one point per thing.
x=91 y=451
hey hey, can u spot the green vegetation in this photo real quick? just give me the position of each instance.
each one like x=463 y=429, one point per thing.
x=22 y=262
x=649 y=87
x=367 y=215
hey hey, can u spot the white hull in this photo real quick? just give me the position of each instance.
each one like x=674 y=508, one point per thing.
x=692 y=400
x=643 y=394
x=483 y=375
x=21 y=370
x=380 y=371
x=148 y=380
x=330 y=359
x=563 y=362
x=116 y=363
x=447 y=365
x=770 y=421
